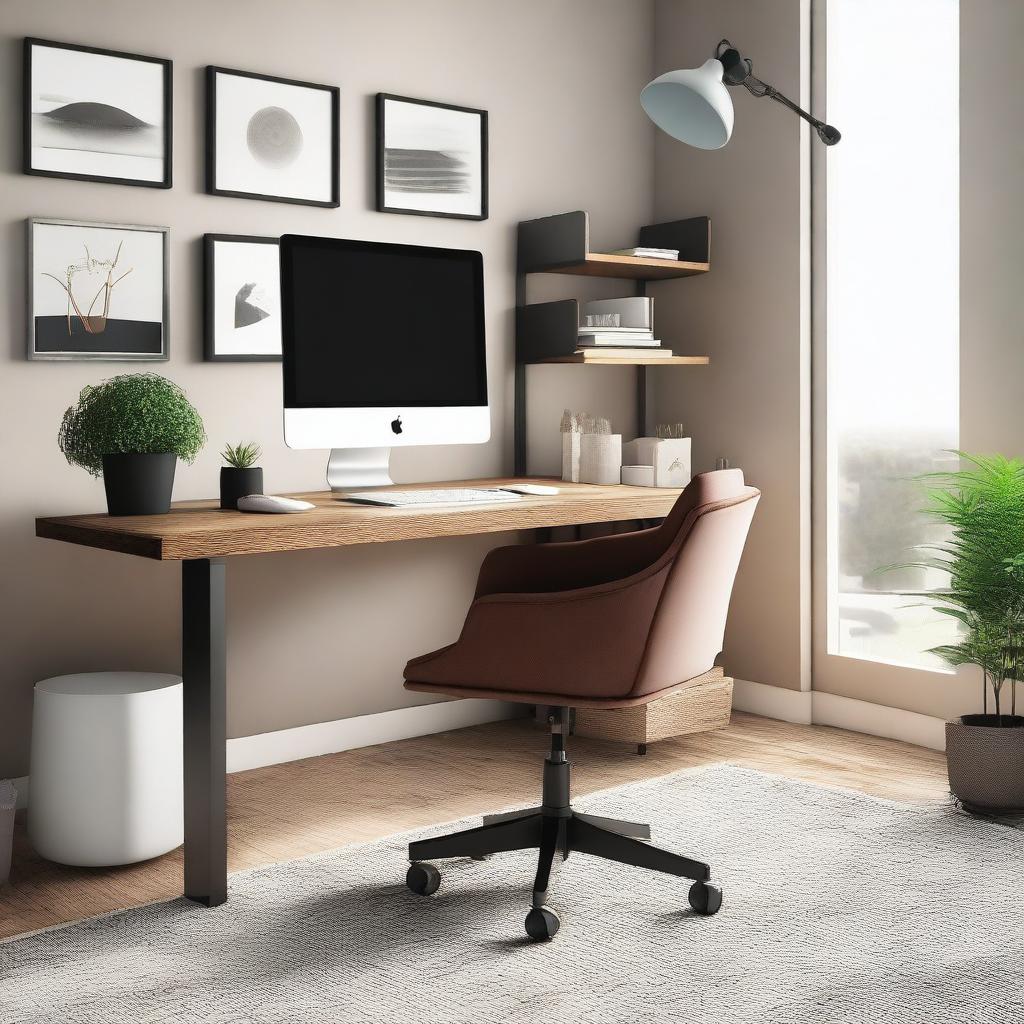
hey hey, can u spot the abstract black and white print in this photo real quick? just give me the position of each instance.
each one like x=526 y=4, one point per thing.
x=433 y=158
x=243 y=304
x=271 y=138
x=97 y=291
x=96 y=115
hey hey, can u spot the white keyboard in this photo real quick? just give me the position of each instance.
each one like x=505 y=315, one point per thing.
x=439 y=496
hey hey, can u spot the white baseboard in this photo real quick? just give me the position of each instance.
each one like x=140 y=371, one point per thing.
x=267 y=748
x=807 y=707
x=877 y=720
x=349 y=733
x=772 y=701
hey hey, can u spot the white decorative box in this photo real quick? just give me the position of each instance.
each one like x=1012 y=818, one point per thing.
x=668 y=457
x=571 y=456
x=600 y=458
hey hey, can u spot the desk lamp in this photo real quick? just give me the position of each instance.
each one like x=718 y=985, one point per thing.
x=693 y=105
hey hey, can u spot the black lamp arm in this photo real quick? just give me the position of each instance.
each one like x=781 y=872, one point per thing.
x=738 y=70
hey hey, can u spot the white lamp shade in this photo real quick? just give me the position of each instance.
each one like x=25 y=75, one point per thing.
x=692 y=106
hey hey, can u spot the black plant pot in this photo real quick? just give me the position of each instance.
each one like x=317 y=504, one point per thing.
x=139 y=484
x=237 y=483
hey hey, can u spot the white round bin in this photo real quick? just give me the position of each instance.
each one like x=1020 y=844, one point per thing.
x=106 y=768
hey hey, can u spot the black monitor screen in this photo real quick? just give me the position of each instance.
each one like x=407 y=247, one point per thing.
x=370 y=324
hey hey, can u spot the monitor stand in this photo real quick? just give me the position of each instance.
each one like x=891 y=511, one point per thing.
x=358 y=468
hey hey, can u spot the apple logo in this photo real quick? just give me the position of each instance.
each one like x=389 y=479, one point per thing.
x=396 y=424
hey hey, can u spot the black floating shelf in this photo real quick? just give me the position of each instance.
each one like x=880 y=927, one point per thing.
x=547 y=332
x=561 y=245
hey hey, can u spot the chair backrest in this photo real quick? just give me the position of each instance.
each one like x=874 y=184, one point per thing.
x=704 y=535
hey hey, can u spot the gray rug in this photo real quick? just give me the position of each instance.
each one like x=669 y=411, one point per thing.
x=838 y=908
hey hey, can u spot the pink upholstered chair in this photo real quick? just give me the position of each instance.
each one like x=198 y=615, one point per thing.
x=610 y=622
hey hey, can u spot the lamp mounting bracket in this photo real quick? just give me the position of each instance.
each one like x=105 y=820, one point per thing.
x=739 y=70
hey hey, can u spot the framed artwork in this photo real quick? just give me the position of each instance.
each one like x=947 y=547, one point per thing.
x=97 y=291
x=96 y=115
x=271 y=138
x=431 y=158
x=242 y=298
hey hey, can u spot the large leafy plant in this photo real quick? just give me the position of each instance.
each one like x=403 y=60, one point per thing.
x=135 y=412
x=982 y=504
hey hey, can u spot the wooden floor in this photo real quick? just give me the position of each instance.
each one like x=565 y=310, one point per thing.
x=304 y=807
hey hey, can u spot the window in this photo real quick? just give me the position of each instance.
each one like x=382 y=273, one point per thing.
x=892 y=316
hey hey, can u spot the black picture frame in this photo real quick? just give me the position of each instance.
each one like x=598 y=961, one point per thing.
x=80 y=354
x=29 y=44
x=382 y=207
x=210 y=353
x=212 y=71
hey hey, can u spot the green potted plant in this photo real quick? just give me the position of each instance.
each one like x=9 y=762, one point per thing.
x=241 y=475
x=982 y=506
x=132 y=429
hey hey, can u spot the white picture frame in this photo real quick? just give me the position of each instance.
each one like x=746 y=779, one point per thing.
x=97 y=291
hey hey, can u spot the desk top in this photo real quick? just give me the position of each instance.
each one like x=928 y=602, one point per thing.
x=199 y=529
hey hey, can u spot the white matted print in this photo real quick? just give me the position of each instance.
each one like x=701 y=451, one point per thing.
x=95 y=114
x=97 y=291
x=272 y=138
x=242 y=298
x=431 y=158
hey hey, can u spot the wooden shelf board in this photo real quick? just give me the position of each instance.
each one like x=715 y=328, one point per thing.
x=632 y=361
x=602 y=264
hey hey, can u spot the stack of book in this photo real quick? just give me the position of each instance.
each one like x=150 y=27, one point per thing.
x=633 y=337
x=648 y=252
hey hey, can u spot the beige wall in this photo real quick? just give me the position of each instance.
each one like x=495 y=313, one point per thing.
x=749 y=314
x=320 y=635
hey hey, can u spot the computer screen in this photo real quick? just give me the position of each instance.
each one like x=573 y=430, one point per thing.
x=377 y=325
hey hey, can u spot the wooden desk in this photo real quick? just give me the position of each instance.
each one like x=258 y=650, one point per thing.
x=200 y=535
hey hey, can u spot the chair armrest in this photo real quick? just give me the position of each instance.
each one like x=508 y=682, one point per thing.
x=588 y=641
x=574 y=565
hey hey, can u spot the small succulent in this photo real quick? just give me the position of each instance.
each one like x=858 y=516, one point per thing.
x=241 y=456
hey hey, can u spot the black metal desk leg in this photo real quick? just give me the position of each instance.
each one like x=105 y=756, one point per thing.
x=203 y=668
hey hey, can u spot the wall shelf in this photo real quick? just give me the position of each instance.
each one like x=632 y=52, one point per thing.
x=547 y=332
x=637 y=361
x=633 y=268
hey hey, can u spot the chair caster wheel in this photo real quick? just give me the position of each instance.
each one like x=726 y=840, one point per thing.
x=542 y=924
x=423 y=879
x=705 y=898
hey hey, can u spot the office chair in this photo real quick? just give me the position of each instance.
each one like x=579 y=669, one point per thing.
x=604 y=623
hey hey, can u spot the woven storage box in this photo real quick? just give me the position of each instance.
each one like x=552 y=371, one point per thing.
x=700 y=707
x=600 y=458
x=571 y=457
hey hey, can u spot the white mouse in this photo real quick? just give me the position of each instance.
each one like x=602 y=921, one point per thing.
x=272 y=503
x=529 y=489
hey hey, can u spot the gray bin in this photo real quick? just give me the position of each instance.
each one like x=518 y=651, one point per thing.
x=8 y=801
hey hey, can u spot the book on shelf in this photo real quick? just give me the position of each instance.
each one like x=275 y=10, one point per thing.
x=647 y=252
x=626 y=332
x=636 y=312
x=607 y=336
x=625 y=352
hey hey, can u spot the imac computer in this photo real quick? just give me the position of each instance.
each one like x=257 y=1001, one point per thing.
x=382 y=345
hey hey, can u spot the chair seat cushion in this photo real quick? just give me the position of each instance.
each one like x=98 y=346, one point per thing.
x=559 y=699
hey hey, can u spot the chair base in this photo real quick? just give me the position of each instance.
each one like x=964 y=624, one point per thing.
x=555 y=829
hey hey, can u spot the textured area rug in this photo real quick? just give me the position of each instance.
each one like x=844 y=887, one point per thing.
x=838 y=908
